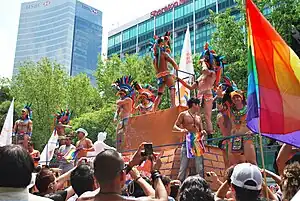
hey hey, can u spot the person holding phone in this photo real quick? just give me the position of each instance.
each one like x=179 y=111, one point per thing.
x=189 y=122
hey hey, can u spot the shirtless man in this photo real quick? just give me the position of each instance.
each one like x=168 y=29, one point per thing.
x=189 y=122
x=23 y=128
x=241 y=148
x=160 y=62
x=84 y=144
x=125 y=89
x=204 y=85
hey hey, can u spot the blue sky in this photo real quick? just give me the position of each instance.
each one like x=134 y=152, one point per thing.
x=114 y=12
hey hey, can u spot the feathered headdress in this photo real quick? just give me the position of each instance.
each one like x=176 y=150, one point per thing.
x=231 y=90
x=27 y=109
x=213 y=58
x=125 y=84
x=160 y=43
x=63 y=117
x=146 y=91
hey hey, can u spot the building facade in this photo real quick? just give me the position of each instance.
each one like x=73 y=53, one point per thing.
x=66 y=31
x=174 y=17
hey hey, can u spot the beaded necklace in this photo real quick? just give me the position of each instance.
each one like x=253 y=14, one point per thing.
x=238 y=114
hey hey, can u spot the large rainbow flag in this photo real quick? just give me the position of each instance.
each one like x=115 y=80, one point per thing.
x=273 y=81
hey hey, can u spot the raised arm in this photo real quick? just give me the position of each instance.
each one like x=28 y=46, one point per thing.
x=190 y=87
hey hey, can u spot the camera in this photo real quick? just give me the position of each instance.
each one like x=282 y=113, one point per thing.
x=148 y=150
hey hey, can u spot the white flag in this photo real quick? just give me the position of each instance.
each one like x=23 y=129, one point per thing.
x=186 y=65
x=49 y=149
x=6 y=132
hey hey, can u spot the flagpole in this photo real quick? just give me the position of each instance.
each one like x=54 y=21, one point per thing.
x=263 y=159
x=259 y=130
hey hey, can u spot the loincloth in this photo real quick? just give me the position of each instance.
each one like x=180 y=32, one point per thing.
x=123 y=123
x=165 y=78
x=237 y=143
x=205 y=97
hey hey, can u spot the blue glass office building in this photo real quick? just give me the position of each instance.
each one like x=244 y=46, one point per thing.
x=66 y=31
x=174 y=17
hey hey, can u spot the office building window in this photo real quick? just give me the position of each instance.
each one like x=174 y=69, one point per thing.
x=111 y=42
x=199 y=4
x=159 y=20
x=117 y=39
x=188 y=8
x=168 y=17
x=150 y=25
x=142 y=28
x=179 y=12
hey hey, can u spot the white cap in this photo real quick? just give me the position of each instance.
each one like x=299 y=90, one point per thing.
x=245 y=172
x=82 y=130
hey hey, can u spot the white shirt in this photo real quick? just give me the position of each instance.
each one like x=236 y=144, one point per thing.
x=99 y=146
x=19 y=194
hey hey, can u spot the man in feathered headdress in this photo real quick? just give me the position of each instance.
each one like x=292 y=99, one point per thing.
x=125 y=87
x=232 y=104
x=145 y=99
x=210 y=76
x=161 y=57
x=62 y=120
x=23 y=127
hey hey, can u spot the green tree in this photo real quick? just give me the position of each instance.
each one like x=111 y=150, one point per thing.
x=284 y=15
x=81 y=95
x=140 y=68
x=229 y=40
x=98 y=121
x=44 y=85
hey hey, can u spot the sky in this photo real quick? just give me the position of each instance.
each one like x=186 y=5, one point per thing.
x=115 y=12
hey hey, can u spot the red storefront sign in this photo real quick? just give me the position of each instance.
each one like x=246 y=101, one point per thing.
x=168 y=7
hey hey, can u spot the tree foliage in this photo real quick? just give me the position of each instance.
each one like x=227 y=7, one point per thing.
x=48 y=88
x=283 y=16
x=229 y=40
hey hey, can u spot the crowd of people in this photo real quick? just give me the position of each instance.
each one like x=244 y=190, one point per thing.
x=106 y=179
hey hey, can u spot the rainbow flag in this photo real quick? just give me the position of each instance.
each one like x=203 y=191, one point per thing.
x=194 y=145
x=273 y=81
x=70 y=155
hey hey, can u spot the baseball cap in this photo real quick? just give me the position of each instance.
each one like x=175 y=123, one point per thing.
x=82 y=130
x=244 y=173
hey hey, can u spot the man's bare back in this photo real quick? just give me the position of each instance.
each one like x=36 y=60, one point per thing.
x=125 y=107
x=163 y=63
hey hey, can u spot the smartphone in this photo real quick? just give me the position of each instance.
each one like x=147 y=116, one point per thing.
x=148 y=149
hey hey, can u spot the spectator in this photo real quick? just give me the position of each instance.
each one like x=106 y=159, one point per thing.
x=246 y=183
x=47 y=184
x=175 y=185
x=84 y=144
x=290 y=181
x=82 y=180
x=110 y=172
x=167 y=183
x=35 y=154
x=16 y=168
x=65 y=165
x=195 y=188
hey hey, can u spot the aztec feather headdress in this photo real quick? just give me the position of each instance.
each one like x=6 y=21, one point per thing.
x=125 y=85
